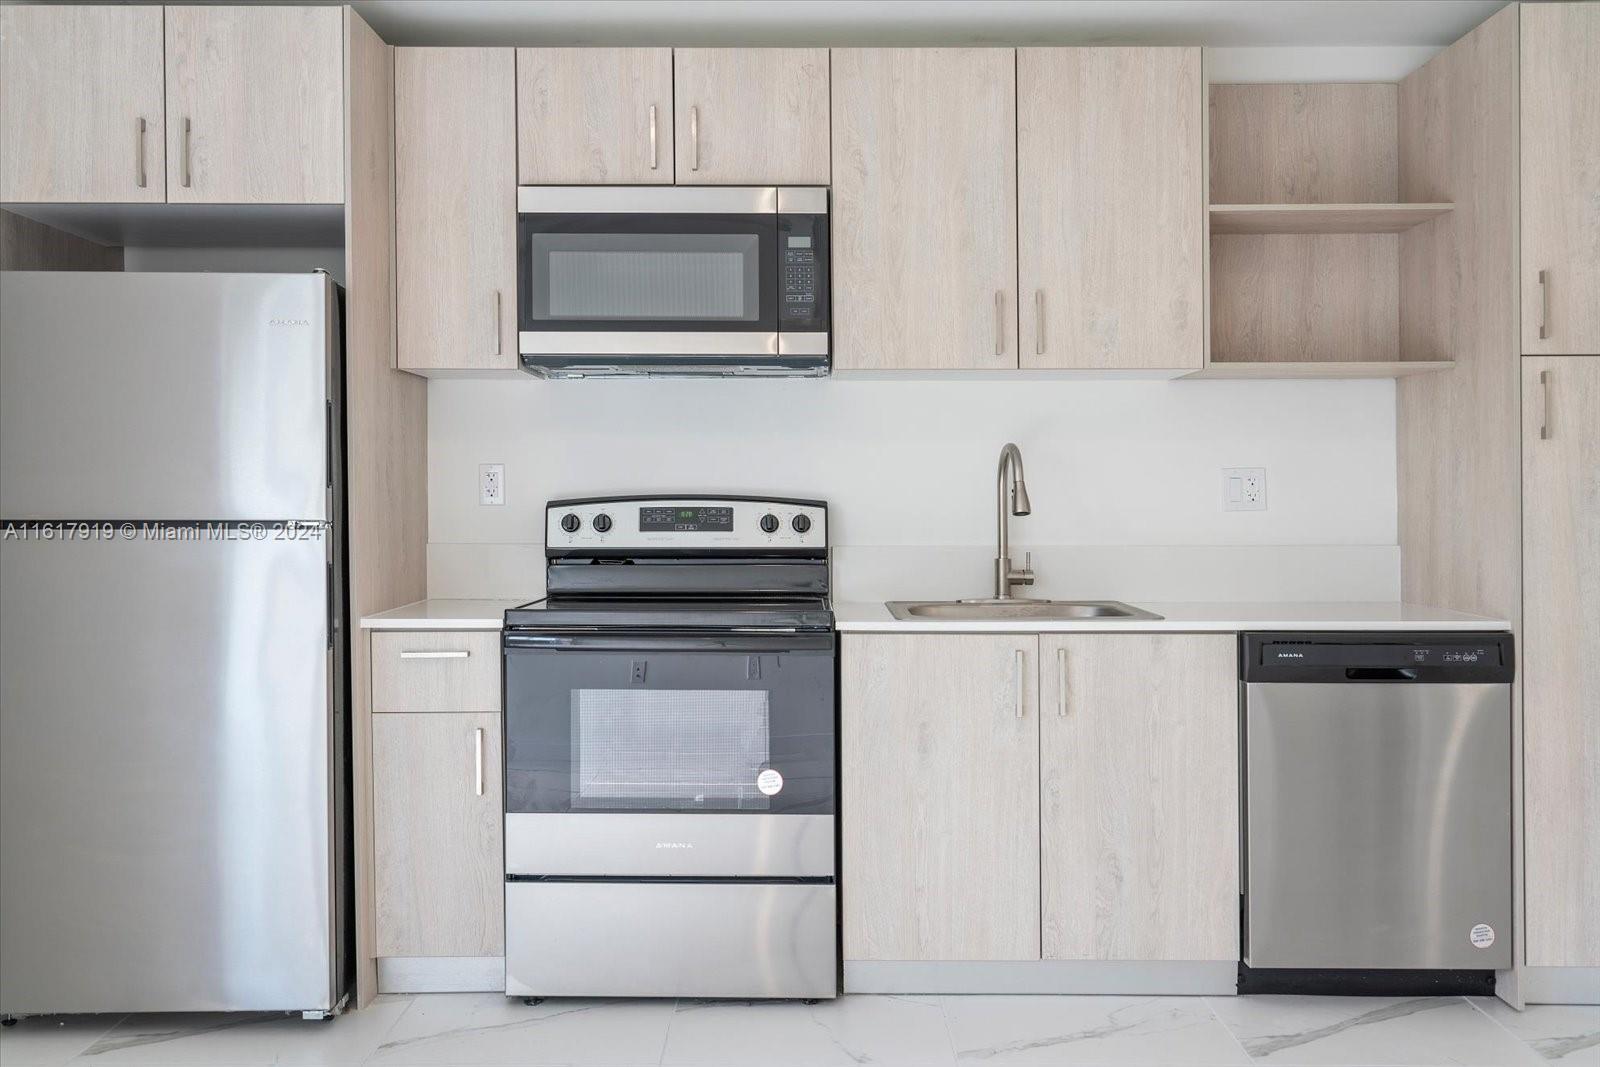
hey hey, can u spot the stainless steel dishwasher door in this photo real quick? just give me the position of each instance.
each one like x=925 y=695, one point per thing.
x=1378 y=825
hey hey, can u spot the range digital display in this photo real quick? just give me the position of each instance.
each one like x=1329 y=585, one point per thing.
x=685 y=519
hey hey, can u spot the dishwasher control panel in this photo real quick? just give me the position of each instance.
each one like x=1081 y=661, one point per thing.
x=1400 y=657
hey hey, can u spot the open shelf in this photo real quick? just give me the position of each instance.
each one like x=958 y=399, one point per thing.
x=1322 y=218
x=1388 y=368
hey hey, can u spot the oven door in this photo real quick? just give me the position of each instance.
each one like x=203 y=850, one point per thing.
x=671 y=755
x=647 y=271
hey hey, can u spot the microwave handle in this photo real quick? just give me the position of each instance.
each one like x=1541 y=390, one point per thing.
x=733 y=641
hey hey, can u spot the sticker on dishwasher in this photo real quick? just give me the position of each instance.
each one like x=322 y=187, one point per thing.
x=770 y=782
x=1482 y=936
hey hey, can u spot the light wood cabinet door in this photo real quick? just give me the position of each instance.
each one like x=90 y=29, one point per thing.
x=924 y=208
x=438 y=865
x=1111 y=206
x=455 y=133
x=255 y=105
x=940 y=796
x=1140 y=796
x=1560 y=671
x=1561 y=178
x=81 y=104
x=752 y=116
x=594 y=116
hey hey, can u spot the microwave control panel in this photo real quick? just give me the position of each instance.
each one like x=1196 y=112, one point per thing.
x=802 y=272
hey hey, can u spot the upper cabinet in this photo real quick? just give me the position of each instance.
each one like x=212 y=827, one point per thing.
x=751 y=116
x=924 y=208
x=1110 y=195
x=1560 y=179
x=595 y=116
x=255 y=111
x=80 y=104
x=455 y=117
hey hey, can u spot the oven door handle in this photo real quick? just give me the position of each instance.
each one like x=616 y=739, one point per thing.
x=731 y=641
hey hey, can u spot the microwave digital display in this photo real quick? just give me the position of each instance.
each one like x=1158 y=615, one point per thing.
x=685 y=519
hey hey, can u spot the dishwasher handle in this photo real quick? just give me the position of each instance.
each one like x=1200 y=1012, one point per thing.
x=1380 y=674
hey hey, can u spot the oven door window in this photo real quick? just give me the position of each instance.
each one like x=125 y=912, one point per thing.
x=669 y=732
x=647 y=273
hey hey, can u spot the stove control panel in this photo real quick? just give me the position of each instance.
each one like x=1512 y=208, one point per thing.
x=686 y=523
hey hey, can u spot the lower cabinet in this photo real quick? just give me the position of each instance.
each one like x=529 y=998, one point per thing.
x=1139 y=796
x=939 y=796
x=438 y=863
x=1018 y=797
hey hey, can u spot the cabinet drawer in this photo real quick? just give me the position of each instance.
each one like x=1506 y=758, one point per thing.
x=436 y=670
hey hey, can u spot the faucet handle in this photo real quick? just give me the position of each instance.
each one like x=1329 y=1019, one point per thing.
x=1025 y=576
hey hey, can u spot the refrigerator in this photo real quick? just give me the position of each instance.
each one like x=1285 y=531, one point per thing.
x=173 y=725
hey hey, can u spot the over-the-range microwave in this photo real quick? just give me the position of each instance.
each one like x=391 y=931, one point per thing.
x=672 y=280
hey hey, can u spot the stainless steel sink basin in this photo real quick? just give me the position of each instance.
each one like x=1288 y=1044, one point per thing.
x=1017 y=608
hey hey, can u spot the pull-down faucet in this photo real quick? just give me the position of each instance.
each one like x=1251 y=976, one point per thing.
x=1004 y=576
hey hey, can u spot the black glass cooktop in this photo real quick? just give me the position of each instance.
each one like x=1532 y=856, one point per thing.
x=796 y=613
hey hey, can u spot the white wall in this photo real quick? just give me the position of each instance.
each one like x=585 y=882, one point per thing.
x=1109 y=463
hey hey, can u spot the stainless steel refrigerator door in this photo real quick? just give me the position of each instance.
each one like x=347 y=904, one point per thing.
x=165 y=796
x=164 y=396
x=1378 y=825
x=671 y=939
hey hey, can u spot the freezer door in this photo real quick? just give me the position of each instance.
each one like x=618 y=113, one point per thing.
x=1378 y=825
x=166 y=777
x=164 y=396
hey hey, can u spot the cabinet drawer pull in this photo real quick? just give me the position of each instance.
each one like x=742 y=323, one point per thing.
x=143 y=179
x=999 y=322
x=1038 y=322
x=1061 y=683
x=1016 y=678
x=1545 y=433
x=458 y=653
x=655 y=153
x=1544 y=305
x=477 y=757
x=694 y=138
x=497 y=322
x=188 y=172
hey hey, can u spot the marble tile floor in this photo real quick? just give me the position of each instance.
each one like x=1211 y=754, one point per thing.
x=489 y=1030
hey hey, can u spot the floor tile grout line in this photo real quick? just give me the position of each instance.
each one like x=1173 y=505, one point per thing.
x=1212 y=1008
x=1529 y=1045
x=949 y=1035
x=411 y=1002
x=666 y=1035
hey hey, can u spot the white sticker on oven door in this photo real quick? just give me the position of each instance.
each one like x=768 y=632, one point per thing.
x=770 y=782
x=1482 y=936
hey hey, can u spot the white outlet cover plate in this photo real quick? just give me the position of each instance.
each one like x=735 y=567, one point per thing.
x=1244 y=489
x=491 y=484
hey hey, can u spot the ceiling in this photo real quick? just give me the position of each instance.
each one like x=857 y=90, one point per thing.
x=1218 y=23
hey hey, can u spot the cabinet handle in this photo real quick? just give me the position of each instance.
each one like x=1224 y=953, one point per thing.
x=459 y=653
x=1061 y=683
x=188 y=173
x=655 y=155
x=1038 y=322
x=143 y=180
x=1544 y=305
x=1545 y=433
x=497 y=322
x=477 y=757
x=1016 y=677
x=694 y=138
x=999 y=322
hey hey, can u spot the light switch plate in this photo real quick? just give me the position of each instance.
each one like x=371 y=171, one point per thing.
x=1244 y=489
x=491 y=484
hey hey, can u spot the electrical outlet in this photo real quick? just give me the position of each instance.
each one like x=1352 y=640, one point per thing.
x=491 y=483
x=1244 y=489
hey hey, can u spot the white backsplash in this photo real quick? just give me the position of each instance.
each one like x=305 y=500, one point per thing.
x=1125 y=477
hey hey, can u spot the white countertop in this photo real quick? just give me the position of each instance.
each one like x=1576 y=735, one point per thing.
x=443 y=615
x=1216 y=617
x=1223 y=616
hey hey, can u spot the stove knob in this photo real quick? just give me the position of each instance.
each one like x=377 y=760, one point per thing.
x=571 y=523
x=769 y=524
x=801 y=523
x=602 y=522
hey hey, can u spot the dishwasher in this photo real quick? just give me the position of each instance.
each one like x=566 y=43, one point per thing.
x=1377 y=811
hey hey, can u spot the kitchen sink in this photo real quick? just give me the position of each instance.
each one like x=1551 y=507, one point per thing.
x=1016 y=608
